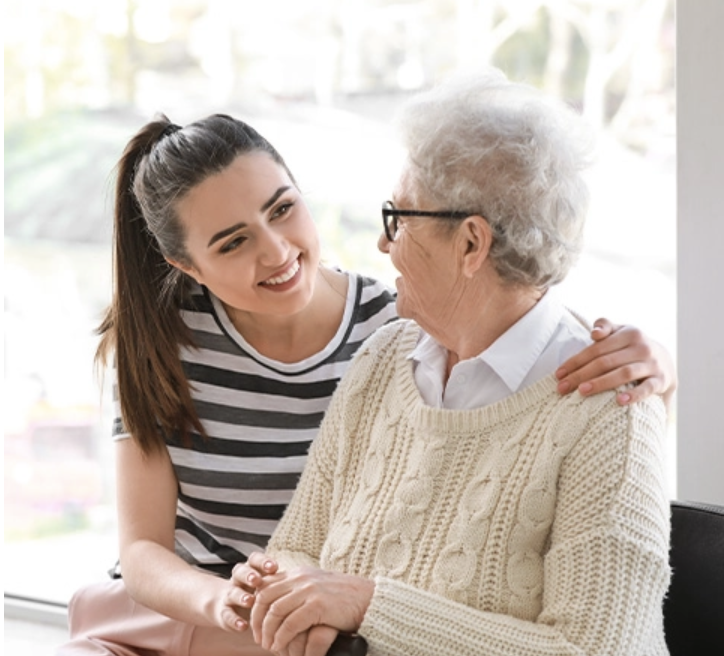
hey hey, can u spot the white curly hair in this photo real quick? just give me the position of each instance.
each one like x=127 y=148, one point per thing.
x=487 y=145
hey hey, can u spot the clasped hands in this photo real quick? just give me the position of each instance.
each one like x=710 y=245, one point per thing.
x=297 y=612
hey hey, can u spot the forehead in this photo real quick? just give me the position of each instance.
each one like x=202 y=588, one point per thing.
x=244 y=185
x=252 y=173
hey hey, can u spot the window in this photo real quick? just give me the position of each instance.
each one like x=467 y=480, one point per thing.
x=321 y=80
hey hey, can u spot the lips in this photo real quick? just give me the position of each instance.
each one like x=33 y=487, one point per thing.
x=284 y=277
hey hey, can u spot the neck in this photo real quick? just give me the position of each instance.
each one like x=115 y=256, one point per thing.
x=295 y=337
x=487 y=314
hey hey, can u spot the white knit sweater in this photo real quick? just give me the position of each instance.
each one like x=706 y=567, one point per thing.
x=537 y=525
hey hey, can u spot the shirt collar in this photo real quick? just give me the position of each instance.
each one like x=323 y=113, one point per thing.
x=527 y=338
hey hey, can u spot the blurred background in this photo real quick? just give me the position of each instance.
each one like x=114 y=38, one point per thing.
x=321 y=79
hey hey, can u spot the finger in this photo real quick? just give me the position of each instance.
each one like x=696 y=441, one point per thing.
x=263 y=602
x=298 y=646
x=276 y=630
x=603 y=328
x=237 y=596
x=320 y=639
x=639 y=392
x=274 y=586
x=281 y=626
x=250 y=578
x=612 y=380
x=583 y=358
x=627 y=341
x=263 y=563
x=233 y=621
x=603 y=358
x=256 y=618
x=241 y=573
x=610 y=369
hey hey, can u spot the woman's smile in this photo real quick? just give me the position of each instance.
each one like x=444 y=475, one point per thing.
x=286 y=279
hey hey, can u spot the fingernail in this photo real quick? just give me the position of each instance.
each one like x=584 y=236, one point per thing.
x=585 y=388
x=268 y=565
x=246 y=600
x=561 y=373
x=240 y=625
x=251 y=578
x=624 y=398
x=564 y=386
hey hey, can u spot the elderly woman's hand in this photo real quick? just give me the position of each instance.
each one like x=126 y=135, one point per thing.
x=288 y=604
x=315 y=642
x=620 y=355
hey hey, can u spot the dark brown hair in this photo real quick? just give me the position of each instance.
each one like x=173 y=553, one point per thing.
x=143 y=326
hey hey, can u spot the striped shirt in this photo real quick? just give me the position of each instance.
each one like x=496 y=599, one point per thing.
x=260 y=416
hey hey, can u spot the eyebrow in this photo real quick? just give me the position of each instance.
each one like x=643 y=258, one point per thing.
x=275 y=197
x=237 y=226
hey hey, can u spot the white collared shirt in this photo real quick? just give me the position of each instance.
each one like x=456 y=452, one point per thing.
x=533 y=348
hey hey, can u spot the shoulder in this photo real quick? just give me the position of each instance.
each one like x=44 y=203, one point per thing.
x=196 y=299
x=375 y=286
x=598 y=425
x=386 y=346
x=604 y=407
x=373 y=367
x=200 y=315
x=372 y=305
x=374 y=297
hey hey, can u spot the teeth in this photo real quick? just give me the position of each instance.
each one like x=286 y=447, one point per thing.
x=291 y=272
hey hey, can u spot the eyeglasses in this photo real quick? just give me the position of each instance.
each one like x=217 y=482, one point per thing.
x=391 y=217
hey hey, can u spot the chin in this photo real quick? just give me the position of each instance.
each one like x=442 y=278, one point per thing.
x=402 y=310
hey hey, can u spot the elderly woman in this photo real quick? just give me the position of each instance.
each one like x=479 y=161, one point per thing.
x=453 y=502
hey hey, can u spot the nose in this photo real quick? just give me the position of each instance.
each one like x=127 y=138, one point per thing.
x=273 y=248
x=383 y=244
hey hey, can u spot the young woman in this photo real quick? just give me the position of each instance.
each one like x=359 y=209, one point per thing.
x=228 y=338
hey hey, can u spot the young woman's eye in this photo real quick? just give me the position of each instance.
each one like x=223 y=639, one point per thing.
x=282 y=210
x=232 y=245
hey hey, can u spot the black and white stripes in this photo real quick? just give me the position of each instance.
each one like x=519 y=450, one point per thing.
x=261 y=415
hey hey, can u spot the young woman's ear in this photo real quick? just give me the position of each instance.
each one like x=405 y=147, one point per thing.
x=188 y=269
x=476 y=239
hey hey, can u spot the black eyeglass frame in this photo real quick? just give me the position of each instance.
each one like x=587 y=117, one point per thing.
x=390 y=211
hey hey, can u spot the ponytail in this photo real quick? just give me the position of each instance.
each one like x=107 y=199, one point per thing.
x=143 y=324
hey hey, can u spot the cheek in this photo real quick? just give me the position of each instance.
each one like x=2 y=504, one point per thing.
x=415 y=277
x=304 y=236
x=403 y=258
x=415 y=264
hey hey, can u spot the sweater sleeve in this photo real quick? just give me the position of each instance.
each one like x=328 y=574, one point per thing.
x=605 y=571
x=300 y=536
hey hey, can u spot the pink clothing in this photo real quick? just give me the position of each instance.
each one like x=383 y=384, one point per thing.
x=105 y=621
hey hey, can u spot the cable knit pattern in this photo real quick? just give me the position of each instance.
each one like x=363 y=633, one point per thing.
x=536 y=525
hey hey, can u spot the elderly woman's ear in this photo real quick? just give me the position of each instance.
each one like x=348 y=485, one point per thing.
x=476 y=237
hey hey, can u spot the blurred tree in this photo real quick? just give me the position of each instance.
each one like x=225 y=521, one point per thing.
x=625 y=57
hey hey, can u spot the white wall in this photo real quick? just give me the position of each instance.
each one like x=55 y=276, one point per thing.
x=700 y=152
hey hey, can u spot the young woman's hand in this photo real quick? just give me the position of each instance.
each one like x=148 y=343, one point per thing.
x=245 y=579
x=233 y=608
x=619 y=355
